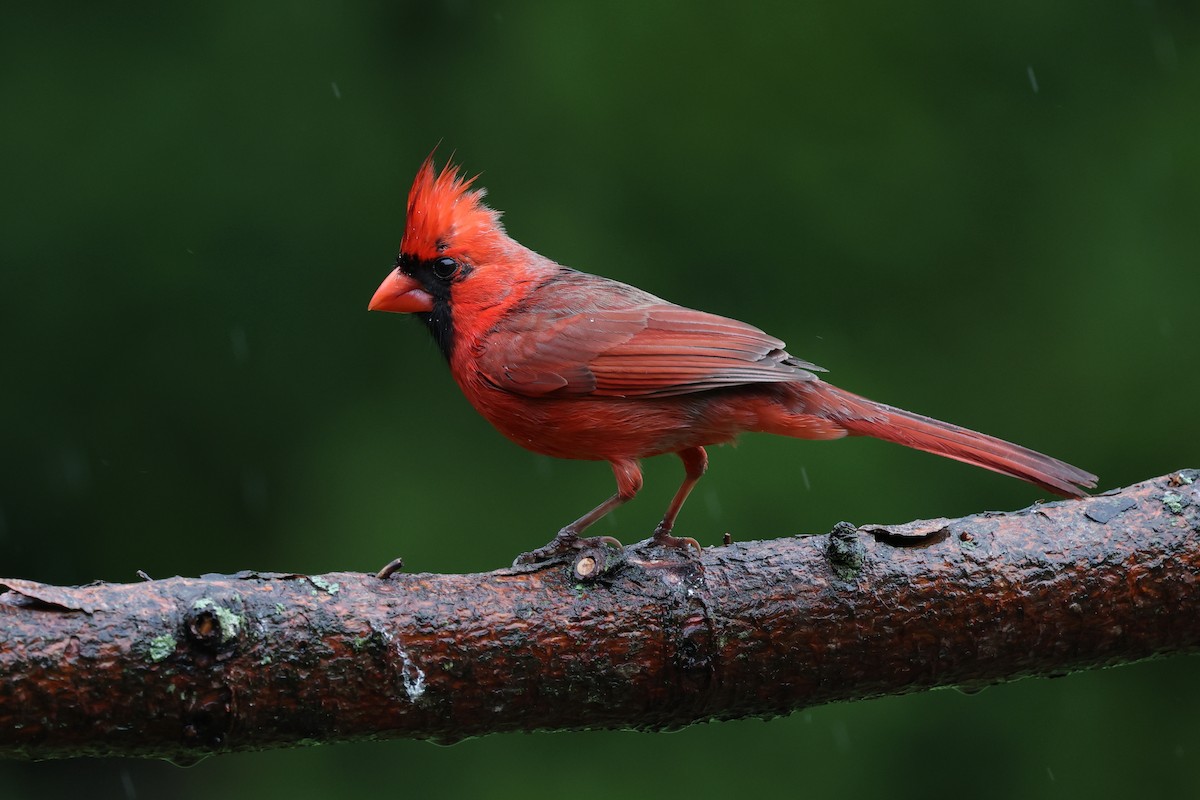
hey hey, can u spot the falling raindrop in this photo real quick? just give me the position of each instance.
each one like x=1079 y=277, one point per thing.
x=1165 y=50
x=76 y=471
x=713 y=504
x=254 y=490
x=127 y=784
x=337 y=93
x=804 y=477
x=1032 y=78
x=841 y=737
x=237 y=340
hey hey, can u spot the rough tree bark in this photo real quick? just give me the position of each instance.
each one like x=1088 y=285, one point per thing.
x=182 y=668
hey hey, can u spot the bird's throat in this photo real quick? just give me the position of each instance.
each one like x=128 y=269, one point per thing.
x=440 y=323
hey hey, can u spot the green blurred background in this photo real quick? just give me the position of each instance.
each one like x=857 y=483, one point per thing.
x=985 y=212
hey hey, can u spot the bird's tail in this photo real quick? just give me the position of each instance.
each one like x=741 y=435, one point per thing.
x=863 y=417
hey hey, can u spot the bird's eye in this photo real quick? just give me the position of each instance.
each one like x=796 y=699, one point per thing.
x=445 y=268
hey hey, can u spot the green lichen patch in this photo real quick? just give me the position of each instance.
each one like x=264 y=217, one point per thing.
x=1174 y=501
x=332 y=587
x=161 y=647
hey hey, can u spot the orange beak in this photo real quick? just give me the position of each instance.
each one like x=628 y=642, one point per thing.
x=401 y=294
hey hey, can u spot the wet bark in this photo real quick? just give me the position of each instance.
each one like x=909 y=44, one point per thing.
x=186 y=667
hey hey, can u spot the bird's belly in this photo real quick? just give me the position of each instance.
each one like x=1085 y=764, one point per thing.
x=606 y=428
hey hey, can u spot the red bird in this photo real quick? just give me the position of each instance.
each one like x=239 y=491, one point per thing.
x=573 y=365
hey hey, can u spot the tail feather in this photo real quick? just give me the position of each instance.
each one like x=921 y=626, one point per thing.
x=864 y=417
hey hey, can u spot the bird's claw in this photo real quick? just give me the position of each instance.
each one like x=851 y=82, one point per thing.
x=664 y=539
x=565 y=545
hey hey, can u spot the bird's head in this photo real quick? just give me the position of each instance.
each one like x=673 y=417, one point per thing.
x=452 y=245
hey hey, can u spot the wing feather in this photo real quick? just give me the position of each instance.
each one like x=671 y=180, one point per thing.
x=617 y=341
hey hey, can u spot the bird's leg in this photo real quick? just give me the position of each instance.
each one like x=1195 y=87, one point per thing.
x=695 y=462
x=568 y=539
x=629 y=481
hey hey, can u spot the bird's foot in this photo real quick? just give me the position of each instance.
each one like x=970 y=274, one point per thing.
x=565 y=543
x=663 y=538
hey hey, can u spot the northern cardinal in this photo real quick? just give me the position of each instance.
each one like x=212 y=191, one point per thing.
x=574 y=365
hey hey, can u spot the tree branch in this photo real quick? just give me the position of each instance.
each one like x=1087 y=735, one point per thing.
x=182 y=668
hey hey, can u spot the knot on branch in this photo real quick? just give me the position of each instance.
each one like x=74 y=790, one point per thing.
x=845 y=552
x=593 y=563
x=214 y=628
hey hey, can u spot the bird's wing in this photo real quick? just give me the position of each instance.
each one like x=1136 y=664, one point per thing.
x=645 y=347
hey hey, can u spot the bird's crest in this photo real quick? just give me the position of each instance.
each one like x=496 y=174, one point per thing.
x=444 y=212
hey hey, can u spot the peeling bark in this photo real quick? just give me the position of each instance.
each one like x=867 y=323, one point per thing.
x=186 y=667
